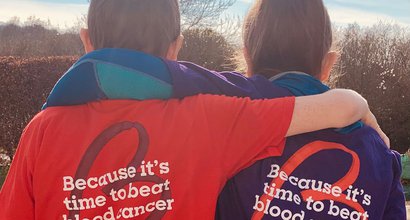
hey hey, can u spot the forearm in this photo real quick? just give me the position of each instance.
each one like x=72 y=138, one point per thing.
x=334 y=109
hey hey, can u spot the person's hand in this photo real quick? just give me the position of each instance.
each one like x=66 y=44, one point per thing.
x=370 y=120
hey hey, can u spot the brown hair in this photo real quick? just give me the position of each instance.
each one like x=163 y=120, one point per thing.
x=287 y=35
x=145 y=25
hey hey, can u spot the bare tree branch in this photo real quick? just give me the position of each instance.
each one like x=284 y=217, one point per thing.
x=202 y=13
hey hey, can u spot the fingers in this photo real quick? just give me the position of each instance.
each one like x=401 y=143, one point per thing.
x=384 y=137
x=371 y=121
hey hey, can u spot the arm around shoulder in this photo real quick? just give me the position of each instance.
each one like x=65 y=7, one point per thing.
x=334 y=109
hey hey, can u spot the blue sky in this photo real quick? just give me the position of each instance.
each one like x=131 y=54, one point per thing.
x=65 y=12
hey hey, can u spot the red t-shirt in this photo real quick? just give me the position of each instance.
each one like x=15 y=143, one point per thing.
x=138 y=160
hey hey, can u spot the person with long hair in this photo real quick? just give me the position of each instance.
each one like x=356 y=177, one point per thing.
x=289 y=42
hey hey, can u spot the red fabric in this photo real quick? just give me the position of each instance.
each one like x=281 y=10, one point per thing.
x=165 y=159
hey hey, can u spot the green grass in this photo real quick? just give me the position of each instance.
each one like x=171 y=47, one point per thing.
x=407 y=192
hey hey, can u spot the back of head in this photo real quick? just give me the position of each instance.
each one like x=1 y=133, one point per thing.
x=287 y=35
x=145 y=25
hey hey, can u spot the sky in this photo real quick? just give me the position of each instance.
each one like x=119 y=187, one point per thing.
x=64 y=13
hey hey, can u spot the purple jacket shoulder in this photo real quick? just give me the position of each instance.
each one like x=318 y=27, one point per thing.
x=190 y=79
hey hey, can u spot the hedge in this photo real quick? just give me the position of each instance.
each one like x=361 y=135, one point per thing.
x=25 y=84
